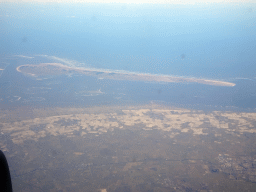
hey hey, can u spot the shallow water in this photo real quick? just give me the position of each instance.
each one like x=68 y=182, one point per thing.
x=74 y=132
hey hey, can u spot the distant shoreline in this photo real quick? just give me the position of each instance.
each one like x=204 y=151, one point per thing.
x=58 y=68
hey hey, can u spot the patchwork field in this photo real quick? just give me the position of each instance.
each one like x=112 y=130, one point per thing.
x=129 y=148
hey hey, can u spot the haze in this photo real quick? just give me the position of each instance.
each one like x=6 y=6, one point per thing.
x=128 y=96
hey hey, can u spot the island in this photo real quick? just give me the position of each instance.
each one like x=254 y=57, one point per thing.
x=58 y=69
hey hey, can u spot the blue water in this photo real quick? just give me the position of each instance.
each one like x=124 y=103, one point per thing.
x=215 y=41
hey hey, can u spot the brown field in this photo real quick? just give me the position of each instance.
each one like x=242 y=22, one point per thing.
x=142 y=148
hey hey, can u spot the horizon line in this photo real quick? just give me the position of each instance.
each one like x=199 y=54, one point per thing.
x=188 y=2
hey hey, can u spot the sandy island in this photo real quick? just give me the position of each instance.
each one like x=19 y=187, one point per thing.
x=58 y=68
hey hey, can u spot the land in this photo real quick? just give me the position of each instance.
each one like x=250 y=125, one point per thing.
x=172 y=121
x=58 y=69
x=129 y=148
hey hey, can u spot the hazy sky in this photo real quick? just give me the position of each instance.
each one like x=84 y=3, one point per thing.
x=138 y=1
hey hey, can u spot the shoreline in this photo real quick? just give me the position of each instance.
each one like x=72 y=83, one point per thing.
x=115 y=75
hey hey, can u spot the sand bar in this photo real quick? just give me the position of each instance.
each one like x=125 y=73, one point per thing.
x=58 y=68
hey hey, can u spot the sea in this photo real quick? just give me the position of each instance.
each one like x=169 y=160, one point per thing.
x=211 y=41
x=72 y=132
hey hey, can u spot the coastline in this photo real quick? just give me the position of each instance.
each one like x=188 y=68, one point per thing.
x=43 y=68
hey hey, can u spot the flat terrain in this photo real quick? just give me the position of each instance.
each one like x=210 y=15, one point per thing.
x=128 y=148
x=58 y=68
